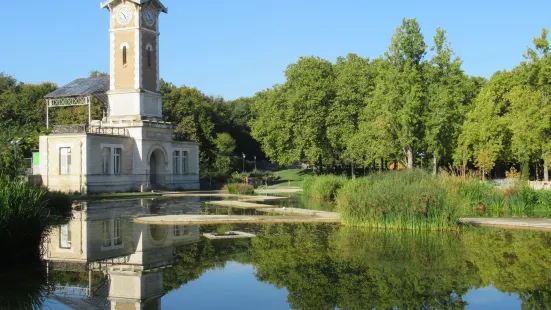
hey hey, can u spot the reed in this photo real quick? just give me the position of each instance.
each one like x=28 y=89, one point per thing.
x=239 y=188
x=399 y=200
x=323 y=187
x=26 y=215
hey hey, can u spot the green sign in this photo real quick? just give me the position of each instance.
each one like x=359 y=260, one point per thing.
x=36 y=159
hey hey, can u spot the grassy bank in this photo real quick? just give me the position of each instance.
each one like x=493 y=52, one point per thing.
x=239 y=188
x=417 y=200
x=398 y=200
x=26 y=215
x=323 y=187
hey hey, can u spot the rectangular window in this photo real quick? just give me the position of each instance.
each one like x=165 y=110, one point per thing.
x=176 y=230
x=112 y=233
x=117 y=153
x=149 y=59
x=107 y=233
x=176 y=162
x=65 y=236
x=106 y=160
x=117 y=237
x=65 y=160
x=184 y=162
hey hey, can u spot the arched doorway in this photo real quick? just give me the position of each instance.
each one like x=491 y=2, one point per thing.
x=157 y=169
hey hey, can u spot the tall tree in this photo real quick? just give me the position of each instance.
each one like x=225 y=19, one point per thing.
x=446 y=95
x=400 y=90
x=354 y=85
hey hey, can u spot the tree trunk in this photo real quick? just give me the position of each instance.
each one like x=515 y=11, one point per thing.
x=545 y=171
x=353 y=168
x=320 y=162
x=409 y=151
x=435 y=164
x=537 y=171
x=483 y=175
x=381 y=166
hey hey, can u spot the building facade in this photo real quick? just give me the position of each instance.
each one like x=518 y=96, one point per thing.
x=131 y=148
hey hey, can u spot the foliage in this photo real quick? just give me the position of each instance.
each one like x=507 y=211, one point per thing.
x=239 y=188
x=191 y=261
x=323 y=187
x=23 y=286
x=26 y=215
x=404 y=200
x=259 y=176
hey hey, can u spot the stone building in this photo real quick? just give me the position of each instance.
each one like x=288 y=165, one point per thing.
x=131 y=148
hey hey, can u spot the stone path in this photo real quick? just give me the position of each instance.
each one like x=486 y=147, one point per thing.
x=297 y=211
x=278 y=190
x=230 y=219
x=238 y=204
x=519 y=223
x=261 y=198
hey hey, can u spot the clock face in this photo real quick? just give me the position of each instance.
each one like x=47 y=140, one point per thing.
x=149 y=17
x=124 y=15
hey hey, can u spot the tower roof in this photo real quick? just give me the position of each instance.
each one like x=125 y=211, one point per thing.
x=140 y=2
x=96 y=87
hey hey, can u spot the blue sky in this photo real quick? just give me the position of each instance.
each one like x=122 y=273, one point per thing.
x=236 y=48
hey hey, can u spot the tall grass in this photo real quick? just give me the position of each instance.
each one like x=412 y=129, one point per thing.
x=26 y=215
x=416 y=200
x=239 y=188
x=323 y=187
x=403 y=200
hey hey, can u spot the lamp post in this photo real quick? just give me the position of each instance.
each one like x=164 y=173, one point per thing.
x=243 y=162
x=254 y=162
x=15 y=142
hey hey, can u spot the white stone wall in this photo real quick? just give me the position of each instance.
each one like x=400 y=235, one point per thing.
x=87 y=161
x=50 y=162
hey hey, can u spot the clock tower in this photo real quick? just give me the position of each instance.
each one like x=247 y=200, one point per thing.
x=134 y=92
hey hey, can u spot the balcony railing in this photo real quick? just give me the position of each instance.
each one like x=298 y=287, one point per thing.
x=78 y=128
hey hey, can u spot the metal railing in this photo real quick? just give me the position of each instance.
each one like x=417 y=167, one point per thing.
x=79 y=128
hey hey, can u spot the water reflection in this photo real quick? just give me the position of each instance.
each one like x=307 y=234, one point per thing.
x=102 y=259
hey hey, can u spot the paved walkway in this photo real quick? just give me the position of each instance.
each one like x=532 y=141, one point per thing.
x=518 y=223
x=297 y=211
x=230 y=219
x=238 y=204
x=289 y=190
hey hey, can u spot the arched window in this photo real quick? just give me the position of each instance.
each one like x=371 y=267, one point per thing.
x=149 y=49
x=124 y=55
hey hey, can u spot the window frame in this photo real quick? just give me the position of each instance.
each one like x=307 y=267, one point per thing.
x=117 y=160
x=65 y=160
x=67 y=244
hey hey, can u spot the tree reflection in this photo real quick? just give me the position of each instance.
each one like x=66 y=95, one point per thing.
x=324 y=266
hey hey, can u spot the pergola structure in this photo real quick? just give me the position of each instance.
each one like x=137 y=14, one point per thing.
x=78 y=93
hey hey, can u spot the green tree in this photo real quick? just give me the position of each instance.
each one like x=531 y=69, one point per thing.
x=354 y=84
x=400 y=90
x=446 y=96
x=225 y=146
x=290 y=121
x=485 y=134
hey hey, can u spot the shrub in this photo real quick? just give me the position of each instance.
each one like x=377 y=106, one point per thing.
x=403 y=200
x=323 y=187
x=26 y=215
x=259 y=176
x=239 y=188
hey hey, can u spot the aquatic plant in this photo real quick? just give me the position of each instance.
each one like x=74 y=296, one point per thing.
x=239 y=188
x=402 y=200
x=323 y=187
x=26 y=214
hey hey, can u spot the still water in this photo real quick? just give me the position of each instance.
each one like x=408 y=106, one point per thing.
x=101 y=259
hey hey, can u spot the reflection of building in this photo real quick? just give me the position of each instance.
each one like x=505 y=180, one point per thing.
x=131 y=148
x=102 y=238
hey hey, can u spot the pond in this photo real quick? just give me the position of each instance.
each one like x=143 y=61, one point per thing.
x=103 y=260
